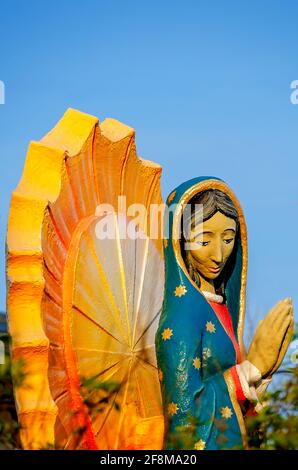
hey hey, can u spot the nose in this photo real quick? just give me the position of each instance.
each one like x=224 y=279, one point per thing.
x=217 y=253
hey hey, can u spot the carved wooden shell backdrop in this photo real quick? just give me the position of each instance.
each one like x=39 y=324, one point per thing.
x=83 y=311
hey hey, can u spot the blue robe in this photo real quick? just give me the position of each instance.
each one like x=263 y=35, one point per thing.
x=194 y=361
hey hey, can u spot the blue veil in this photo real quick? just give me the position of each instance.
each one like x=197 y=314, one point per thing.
x=199 y=396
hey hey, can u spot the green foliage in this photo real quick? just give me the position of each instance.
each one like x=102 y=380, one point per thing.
x=183 y=437
x=276 y=426
x=98 y=395
x=9 y=427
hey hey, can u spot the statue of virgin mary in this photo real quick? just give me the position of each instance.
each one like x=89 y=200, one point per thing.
x=120 y=335
x=208 y=382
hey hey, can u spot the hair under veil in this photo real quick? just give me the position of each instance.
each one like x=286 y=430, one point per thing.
x=211 y=201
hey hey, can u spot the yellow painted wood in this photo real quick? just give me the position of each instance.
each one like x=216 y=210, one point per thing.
x=78 y=165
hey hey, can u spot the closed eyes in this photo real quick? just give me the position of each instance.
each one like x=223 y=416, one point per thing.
x=205 y=243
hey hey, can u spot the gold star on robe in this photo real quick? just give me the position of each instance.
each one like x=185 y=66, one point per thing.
x=200 y=445
x=166 y=334
x=226 y=412
x=160 y=374
x=172 y=408
x=180 y=290
x=210 y=327
x=165 y=242
x=196 y=362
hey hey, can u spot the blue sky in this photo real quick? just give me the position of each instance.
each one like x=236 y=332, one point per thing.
x=206 y=85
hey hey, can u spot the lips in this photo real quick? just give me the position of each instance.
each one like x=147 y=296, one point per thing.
x=214 y=270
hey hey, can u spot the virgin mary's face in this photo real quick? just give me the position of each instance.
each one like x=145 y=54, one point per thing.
x=212 y=242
